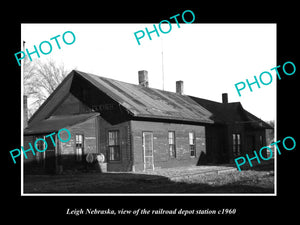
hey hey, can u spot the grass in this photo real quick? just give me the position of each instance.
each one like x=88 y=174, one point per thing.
x=257 y=180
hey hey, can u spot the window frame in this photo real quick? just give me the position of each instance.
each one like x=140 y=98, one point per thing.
x=40 y=156
x=236 y=144
x=172 y=144
x=261 y=141
x=192 y=145
x=79 y=157
x=116 y=147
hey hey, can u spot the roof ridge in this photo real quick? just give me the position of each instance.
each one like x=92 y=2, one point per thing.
x=206 y=99
x=102 y=77
x=212 y=101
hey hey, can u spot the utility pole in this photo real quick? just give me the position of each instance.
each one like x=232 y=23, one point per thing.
x=25 y=104
x=162 y=65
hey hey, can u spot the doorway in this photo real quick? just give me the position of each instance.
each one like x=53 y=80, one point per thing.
x=250 y=143
x=46 y=157
x=148 y=150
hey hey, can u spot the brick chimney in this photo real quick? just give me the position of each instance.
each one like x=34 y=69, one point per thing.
x=179 y=87
x=225 y=98
x=25 y=111
x=143 y=78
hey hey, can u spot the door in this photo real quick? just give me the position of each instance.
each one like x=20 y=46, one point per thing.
x=148 y=150
x=46 y=156
x=50 y=160
x=250 y=143
x=49 y=156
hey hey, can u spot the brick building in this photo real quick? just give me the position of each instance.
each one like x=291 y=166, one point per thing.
x=136 y=127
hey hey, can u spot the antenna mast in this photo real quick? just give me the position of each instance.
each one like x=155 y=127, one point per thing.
x=162 y=65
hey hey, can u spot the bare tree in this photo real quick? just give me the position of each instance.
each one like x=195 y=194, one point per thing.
x=40 y=80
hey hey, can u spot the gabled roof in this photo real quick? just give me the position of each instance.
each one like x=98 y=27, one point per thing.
x=55 y=123
x=139 y=101
x=225 y=113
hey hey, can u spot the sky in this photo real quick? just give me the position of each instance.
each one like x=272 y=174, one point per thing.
x=209 y=58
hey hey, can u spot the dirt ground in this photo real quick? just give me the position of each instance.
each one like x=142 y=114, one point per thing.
x=252 y=180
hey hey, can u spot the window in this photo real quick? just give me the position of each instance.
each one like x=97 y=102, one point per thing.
x=40 y=145
x=113 y=146
x=261 y=142
x=79 y=147
x=172 y=146
x=192 y=143
x=236 y=145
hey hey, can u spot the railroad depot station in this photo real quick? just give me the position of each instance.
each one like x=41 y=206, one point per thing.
x=136 y=127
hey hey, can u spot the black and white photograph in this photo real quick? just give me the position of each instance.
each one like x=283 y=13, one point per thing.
x=141 y=113
x=161 y=116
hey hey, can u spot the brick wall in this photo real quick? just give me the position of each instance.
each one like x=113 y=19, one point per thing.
x=161 y=153
x=125 y=163
x=67 y=150
x=95 y=132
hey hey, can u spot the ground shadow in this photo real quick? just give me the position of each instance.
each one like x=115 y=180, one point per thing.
x=129 y=183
